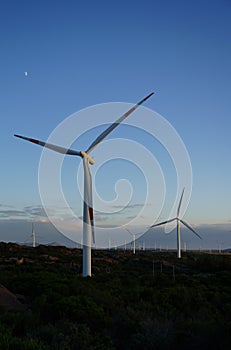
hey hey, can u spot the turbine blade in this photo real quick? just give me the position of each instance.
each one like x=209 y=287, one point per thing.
x=88 y=197
x=51 y=146
x=178 y=209
x=129 y=231
x=102 y=136
x=163 y=222
x=133 y=234
x=190 y=228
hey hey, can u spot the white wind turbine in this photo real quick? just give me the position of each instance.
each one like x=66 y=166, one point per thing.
x=88 y=218
x=179 y=220
x=33 y=236
x=133 y=239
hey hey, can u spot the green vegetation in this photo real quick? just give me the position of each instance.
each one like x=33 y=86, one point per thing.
x=150 y=300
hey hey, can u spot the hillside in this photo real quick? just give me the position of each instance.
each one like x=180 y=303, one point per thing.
x=149 y=300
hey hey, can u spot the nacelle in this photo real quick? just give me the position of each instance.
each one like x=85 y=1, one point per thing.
x=89 y=158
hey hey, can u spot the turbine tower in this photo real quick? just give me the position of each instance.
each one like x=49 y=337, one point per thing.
x=88 y=217
x=179 y=221
x=133 y=238
x=33 y=236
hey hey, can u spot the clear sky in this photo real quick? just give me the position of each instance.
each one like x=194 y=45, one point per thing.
x=78 y=54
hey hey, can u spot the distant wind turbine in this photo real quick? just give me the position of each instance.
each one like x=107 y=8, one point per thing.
x=88 y=218
x=33 y=236
x=133 y=239
x=219 y=244
x=179 y=220
x=185 y=247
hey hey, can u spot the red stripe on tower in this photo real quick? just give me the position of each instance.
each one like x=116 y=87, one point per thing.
x=91 y=213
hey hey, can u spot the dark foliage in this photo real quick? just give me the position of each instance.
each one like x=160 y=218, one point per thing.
x=150 y=300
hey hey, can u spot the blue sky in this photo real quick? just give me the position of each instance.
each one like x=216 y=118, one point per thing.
x=78 y=54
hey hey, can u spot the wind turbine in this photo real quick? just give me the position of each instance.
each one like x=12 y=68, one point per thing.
x=88 y=217
x=219 y=244
x=33 y=236
x=133 y=239
x=179 y=220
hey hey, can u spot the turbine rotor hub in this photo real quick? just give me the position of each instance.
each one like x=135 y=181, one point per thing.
x=89 y=158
